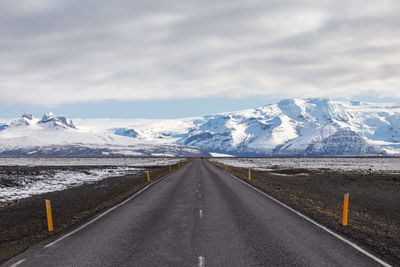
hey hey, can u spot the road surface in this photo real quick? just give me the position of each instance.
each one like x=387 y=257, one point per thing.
x=197 y=216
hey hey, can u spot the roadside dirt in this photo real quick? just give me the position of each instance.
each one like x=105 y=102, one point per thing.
x=23 y=223
x=374 y=206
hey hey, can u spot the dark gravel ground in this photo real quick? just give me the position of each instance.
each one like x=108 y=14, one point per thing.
x=374 y=207
x=23 y=223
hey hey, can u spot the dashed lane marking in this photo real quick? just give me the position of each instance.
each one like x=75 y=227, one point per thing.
x=202 y=262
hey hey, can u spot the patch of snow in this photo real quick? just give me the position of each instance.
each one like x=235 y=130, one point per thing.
x=126 y=162
x=220 y=155
x=44 y=181
x=377 y=165
x=59 y=180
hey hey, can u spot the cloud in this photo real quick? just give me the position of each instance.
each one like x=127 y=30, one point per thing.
x=69 y=51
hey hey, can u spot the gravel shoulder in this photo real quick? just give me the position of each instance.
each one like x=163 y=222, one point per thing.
x=374 y=210
x=23 y=223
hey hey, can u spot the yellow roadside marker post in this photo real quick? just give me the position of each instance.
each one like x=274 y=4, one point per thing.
x=226 y=167
x=148 y=176
x=170 y=168
x=249 y=175
x=178 y=164
x=49 y=217
x=345 y=208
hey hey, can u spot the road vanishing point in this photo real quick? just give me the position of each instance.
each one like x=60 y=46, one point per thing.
x=198 y=215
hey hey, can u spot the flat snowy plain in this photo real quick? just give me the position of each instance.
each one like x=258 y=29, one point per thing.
x=376 y=165
x=25 y=177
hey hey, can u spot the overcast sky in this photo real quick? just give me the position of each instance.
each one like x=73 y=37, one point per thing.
x=64 y=52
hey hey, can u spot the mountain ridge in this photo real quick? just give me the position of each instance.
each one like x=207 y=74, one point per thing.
x=291 y=127
x=58 y=136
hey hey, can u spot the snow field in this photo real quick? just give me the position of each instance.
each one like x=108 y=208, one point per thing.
x=17 y=185
x=377 y=165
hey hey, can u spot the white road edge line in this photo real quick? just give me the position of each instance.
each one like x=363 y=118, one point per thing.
x=17 y=263
x=315 y=223
x=202 y=262
x=104 y=213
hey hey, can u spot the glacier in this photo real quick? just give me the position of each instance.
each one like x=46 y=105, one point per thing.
x=58 y=136
x=292 y=127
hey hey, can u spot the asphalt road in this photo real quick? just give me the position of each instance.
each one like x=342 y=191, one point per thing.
x=198 y=216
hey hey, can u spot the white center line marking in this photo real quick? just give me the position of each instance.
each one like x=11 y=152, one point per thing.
x=201 y=213
x=202 y=262
x=17 y=263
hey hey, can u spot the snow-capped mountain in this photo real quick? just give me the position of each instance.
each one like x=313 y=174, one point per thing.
x=296 y=127
x=51 y=120
x=58 y=136
x=292 y=127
